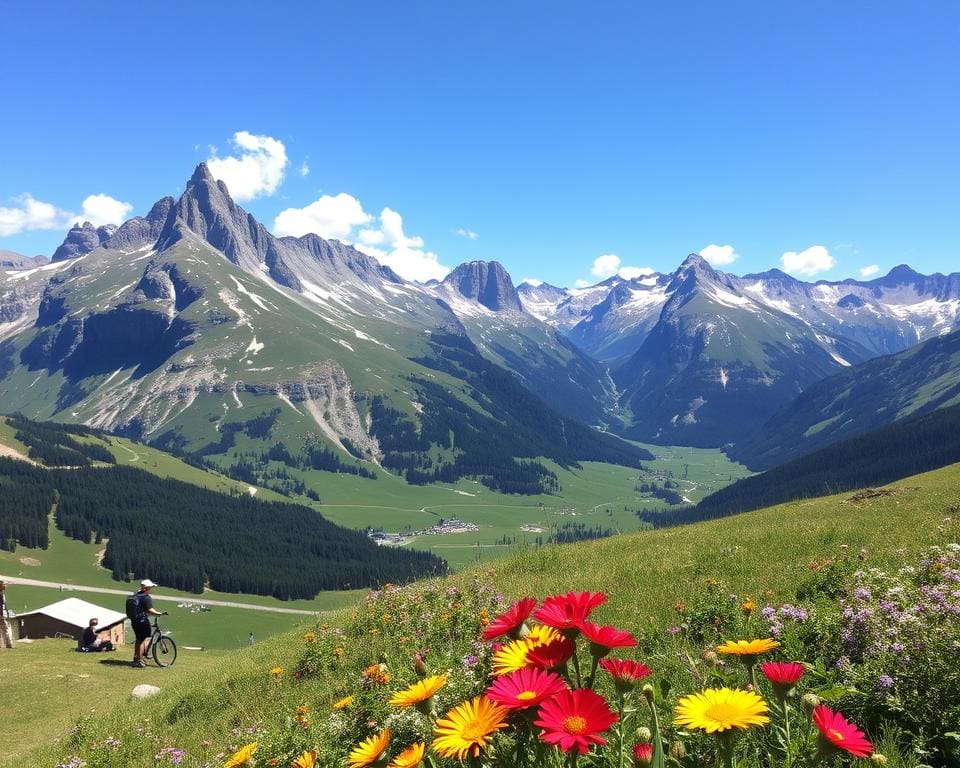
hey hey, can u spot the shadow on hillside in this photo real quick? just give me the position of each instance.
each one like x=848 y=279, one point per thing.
x=115 y=662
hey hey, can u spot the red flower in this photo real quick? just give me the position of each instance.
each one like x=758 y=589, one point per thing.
x=552 y=655
x=783 y=672
x=642 y=754
x=604 y=639
x=525 y=688
x=839 y=734
x=573 y=720
x=569 y=611
x=508 y=622
x=626 y=673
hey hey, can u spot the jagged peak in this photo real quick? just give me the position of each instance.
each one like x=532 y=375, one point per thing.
x=200 y=174
x=486 y=282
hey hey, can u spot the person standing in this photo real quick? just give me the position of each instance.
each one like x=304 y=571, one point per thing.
x=5 y=631
x=140 y=620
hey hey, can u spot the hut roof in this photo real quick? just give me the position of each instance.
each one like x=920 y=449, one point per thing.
x=78 y=613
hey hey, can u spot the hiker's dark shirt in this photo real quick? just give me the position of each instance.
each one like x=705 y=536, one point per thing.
x=89 y=637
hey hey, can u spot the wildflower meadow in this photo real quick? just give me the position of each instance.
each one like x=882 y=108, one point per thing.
x=861 y=664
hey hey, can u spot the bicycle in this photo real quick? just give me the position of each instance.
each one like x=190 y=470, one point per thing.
x=162 y=647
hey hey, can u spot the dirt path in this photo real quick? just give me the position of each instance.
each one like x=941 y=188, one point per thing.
x=167 y=598
x=11 y=453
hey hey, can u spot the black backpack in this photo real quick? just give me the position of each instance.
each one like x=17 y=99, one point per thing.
x=133 y=606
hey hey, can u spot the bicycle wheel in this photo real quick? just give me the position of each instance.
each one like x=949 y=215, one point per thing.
x=164 y=651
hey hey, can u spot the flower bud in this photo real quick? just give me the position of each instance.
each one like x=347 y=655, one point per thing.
x=678 y=751
x=810 y=702
x=644 y=734
x=418 y=666
x=648 y=693
x=877 y=759
x=711 y=658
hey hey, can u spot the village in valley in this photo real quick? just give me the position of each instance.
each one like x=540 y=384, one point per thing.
x=444 y=526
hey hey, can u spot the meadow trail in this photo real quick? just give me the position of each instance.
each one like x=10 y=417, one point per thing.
x=167 y=598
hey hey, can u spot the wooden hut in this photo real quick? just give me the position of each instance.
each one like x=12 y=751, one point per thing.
x=68 y=618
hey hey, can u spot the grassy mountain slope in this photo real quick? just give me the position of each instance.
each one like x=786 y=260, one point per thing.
x=911 y=445
x=878 y=392
x=766 y=552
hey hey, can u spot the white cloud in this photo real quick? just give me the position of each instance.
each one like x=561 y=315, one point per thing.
x=605 y=266
x=257 y=172
x=581 y=283
x=404 y=255
x=630 y=273
x=869 y=271
x=719 y=255
x=532 y=281
x=342 y=217
x=102 y=209
x=467 y=233
x=29 y=213
x=330 y=216
x=812 y=261
x=304 y=168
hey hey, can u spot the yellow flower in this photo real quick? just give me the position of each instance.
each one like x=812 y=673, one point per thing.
x=419 y=692
x=338 y=651
x=411 y=757
x=748 y=605
x=748 y=647
x=306 y=760
x=720 y=709
x=465 y=728
x=370 y=750
x=241 y=757
x=309 y=637
x=513 y=655
x=343 y=703
x=276 y=671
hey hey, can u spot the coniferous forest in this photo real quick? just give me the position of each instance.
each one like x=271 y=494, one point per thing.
x=907 y=447
x=187 y=537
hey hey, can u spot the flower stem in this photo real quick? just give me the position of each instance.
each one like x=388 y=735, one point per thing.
x=726 y=748
x=658 y=758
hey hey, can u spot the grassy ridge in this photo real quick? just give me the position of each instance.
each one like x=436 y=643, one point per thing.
x=759 y=553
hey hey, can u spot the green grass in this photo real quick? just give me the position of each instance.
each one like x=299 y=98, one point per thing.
x=46 y=687
x=763 y=553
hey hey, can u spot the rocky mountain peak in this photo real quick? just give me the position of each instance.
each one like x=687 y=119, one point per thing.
x=900 y=274
x=692 y=271
x=142 y=231
x=487 y=283
x=81 y=239
x=206 y=209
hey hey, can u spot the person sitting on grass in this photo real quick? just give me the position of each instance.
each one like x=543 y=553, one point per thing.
x=91 y=642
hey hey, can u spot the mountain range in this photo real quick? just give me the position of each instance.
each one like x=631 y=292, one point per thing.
x=177 y=324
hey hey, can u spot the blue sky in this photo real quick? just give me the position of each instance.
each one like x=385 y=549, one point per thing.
x=556 y=133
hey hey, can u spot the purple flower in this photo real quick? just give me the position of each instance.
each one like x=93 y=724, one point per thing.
x=470 y=661
x=885 y=682
x=862 y=593
x=768 y=612
x=673 y=630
